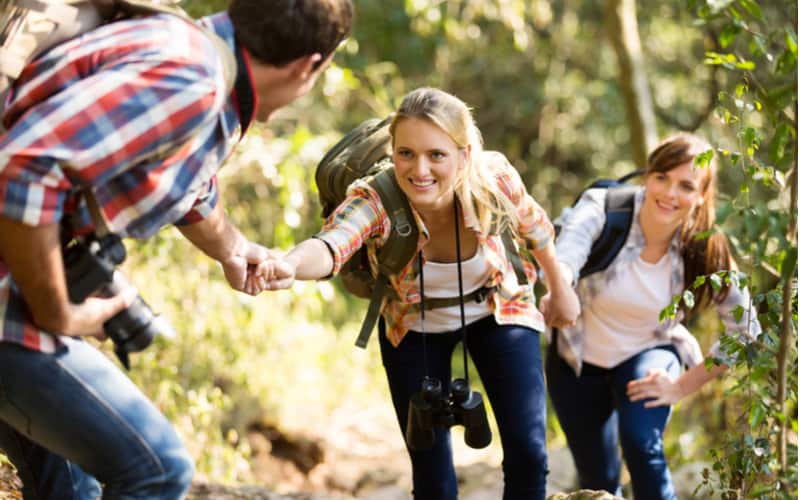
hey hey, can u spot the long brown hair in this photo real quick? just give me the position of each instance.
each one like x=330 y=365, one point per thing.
x=704 y=251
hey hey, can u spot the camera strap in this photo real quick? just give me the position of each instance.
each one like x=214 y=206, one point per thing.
x=461 y=301
x=100 y=225
x=461 y=294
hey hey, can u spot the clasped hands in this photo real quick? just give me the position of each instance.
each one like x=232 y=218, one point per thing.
x=274 y=272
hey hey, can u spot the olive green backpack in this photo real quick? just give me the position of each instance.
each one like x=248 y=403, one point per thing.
x=365 y=152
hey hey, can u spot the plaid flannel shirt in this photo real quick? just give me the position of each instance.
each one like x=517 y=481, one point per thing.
x=136 y=110
x=581 y=226
x=362 y=220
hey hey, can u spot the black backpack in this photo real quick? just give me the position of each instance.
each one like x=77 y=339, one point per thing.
x=619 y=215
x=365 y=152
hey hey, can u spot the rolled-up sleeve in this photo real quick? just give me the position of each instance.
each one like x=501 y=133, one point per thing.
x=203 y=205
x=534 y=223
x=580 y=227
x=358 y=219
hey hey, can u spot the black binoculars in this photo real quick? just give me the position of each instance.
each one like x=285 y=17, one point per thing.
x=90 y=267
x=430 y=408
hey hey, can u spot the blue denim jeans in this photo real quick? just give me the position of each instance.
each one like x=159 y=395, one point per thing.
x=72 y=420
x=508 y=359
x=597 y=416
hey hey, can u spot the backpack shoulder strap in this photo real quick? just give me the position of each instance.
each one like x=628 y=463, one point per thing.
x=512 y=254
x=131 y=8
x=398 y=250
x=619 y=215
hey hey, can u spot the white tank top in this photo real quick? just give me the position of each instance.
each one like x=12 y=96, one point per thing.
x=621 y=320
x=441 y=281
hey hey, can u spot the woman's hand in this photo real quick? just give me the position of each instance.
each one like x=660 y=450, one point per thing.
x=658 y=386
x=560 y=307
x=273 y=273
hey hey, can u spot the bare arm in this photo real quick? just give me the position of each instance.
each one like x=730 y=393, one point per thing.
x=218 y=238
x=311 y=260
x=308 y=260
x=33 y=256
x=663 y=391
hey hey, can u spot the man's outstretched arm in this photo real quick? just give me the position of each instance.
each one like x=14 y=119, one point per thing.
x=218 y=238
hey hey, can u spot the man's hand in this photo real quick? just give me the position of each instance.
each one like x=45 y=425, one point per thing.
x=275 y=273
x=87 y=318
x=33 y=257
x=220 y=240
x=239 y=265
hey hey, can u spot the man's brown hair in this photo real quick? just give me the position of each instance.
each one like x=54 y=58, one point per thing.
x=277 y=32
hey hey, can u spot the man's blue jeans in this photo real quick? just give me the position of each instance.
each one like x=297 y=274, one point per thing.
x=508 y=359
x=596 y=416
x=72 y=420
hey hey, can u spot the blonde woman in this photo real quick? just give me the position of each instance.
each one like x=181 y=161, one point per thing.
x=454 y=188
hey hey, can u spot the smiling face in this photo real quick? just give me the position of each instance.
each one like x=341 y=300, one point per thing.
x=427 y=163
x=671 y=196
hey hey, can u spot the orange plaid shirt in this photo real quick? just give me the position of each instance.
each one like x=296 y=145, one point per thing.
x=362 y=220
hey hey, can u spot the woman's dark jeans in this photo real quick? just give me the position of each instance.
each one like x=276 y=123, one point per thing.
x=72 y=420
x=596 y=416
x=508 y=359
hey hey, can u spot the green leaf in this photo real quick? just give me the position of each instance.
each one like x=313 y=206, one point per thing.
x=738 y=313
x=791 y=40
x=716 y=282
x=670 y=311
x=699 y=281
x=752 y=8
x=787 y=63
x=688 y=298
x=789 y=265
x=703 y=160
x=728 y=34
x=780 y=140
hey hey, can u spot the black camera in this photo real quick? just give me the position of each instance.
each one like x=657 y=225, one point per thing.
x=90 y=266
x=430 y=408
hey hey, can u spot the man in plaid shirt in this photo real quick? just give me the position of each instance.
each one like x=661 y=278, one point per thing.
x=138 y=112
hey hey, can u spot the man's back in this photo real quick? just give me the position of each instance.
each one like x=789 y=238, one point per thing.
x=121 y=109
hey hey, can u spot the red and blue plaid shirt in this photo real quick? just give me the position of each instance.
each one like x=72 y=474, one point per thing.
x=138 y=111
x=362 y=220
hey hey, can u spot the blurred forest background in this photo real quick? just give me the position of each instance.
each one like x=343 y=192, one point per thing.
x=571 y=91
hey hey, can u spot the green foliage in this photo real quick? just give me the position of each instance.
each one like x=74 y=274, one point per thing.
x=757 y=458
x=543 y=86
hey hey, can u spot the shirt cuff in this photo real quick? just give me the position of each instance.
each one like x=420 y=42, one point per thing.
x=31 y=204
x=203 y=205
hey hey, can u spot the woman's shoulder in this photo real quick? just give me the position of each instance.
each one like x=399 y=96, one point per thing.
x=498 y=166
x=495 y=161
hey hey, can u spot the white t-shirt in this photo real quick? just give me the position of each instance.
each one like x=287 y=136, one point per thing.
x=441 y=281
x=621 y=320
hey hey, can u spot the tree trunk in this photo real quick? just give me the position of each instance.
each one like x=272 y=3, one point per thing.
x=787 y=324
x=623 y=31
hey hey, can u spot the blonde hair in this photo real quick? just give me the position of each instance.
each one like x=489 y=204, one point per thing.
x=476 y=187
